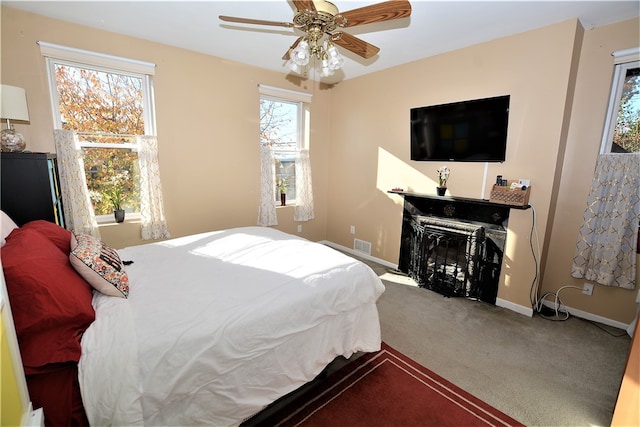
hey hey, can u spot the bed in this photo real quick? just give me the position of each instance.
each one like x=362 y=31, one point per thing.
x=214 y=326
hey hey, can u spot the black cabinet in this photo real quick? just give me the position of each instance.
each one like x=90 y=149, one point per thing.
x=30 y=187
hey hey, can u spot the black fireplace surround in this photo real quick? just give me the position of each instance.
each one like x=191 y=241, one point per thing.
x=453 y=245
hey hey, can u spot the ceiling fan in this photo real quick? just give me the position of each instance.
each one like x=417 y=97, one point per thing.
x=317 y=18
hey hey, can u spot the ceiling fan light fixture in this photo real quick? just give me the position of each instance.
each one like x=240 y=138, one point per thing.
x=326 y=8
x=320 y=18
x=294 y=67
x=326 y=53
x=300 y=55
x=325 y=70
x=335 y=59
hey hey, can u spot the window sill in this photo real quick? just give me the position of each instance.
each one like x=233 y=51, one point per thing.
x=114 y=224
x=129 y=218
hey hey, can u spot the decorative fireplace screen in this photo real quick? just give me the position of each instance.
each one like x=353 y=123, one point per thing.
x=450 y=257
x=454 y=245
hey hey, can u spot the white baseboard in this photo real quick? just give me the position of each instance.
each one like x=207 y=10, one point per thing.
x=588 y=316
x=359 y=254
x=520 y=309
x=527 y=311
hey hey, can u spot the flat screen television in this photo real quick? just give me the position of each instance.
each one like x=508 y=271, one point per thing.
x=467 y=131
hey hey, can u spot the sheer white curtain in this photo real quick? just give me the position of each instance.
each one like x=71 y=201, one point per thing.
x=153 y=222
x=267 y=209
x=304 y=190
x=606 y=248
x=78 y=211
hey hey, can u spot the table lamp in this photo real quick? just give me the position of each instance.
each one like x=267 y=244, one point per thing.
x=13 y=107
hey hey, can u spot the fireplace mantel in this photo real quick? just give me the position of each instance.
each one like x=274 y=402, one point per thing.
x=483 y=202
x=491 y=215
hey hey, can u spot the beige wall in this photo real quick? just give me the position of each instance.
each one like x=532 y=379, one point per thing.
x=583 y=144
x=207 y=115
x=207 y=129
x=559 y=79
x=370 y=140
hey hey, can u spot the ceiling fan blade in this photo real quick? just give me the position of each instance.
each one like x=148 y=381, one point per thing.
x=304 y=5
x=287 y=54
x=356 y=45
x=384 y=11
x=255 y=21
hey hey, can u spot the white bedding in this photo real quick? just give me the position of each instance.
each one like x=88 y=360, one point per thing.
x=218 y=325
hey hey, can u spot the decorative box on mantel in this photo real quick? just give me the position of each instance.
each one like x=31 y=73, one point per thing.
x=510 y=196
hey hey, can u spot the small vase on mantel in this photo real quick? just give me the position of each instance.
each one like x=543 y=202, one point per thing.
x=441 y=190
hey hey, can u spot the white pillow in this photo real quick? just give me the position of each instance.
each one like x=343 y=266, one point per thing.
x=6 y=226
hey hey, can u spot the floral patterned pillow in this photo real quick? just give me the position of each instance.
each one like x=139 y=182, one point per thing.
x=99 y=265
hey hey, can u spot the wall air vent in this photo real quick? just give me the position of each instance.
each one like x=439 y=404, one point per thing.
x=362 y=246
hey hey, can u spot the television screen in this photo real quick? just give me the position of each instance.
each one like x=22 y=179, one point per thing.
x=467 y=131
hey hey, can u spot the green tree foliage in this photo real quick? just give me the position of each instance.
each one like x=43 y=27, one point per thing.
x=627 y=131
x=104 y=108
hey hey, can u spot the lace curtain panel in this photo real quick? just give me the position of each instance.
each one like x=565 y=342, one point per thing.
x=153 y=222
x=304 y=191
x=77 y=207
x=607 y=241
x=303 y=210
x=267 y=209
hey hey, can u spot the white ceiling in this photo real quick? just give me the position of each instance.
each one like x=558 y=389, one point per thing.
x=433 y=28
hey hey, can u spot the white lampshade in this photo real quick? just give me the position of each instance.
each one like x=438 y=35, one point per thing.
x=300 y=55
x=13 y=107
x=14 y=103
x=327 y=56
x=294 y=67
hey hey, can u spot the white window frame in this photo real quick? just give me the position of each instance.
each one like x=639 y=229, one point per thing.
x=304 y=114
x=623 y=60
x=63 y=55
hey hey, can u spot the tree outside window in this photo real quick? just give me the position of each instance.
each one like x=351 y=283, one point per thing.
x=622 y=126
x=106 y=110
x=626 y=134
x=280 y=129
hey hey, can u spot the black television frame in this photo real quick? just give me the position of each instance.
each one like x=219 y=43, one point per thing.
x=465 y=131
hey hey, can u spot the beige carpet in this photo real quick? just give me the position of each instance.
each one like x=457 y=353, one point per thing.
x=540 y=372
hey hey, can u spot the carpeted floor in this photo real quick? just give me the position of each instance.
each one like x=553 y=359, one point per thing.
x=537 y=371
x=540 y=372
x=386 y=389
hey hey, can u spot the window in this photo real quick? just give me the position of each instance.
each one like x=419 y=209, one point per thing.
x=279 y=129
x=107 y=103
x=283 y=127
x=622 y=126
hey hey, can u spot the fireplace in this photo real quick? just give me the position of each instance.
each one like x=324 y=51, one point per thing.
x=453 y=246
x=445 y=255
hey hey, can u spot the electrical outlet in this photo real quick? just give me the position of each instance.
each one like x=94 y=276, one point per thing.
x=587 y=289
x=524 y=181
x=299 y=228
x=352 y=230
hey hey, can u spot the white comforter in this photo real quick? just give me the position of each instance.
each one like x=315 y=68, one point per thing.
x=218 y=325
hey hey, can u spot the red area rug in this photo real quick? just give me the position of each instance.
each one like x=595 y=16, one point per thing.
x=388 y=389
